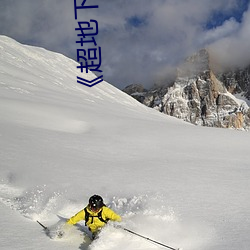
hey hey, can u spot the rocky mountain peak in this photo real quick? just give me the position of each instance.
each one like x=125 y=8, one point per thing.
x=196 y=64
x=202 y=97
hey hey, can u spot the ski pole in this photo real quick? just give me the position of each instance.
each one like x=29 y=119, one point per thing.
x=45 y=228
x=146 y=238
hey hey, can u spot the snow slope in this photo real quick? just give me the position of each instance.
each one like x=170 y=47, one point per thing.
x=61 y=142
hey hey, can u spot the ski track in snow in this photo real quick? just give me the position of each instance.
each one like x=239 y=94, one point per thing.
x=145 y=214
x=43 y=116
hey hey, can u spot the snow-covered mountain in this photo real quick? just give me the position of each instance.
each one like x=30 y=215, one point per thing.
x=237 y=81
x=60 y=142
x=201 y=96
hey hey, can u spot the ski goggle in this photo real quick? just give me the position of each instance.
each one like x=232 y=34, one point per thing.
x=94 y=208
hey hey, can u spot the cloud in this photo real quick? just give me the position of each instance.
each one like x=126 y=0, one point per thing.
x=46 y=23
x=233 y=49
x=141 y=40
x=228 y=28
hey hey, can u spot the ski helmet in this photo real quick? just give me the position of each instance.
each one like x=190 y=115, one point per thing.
x=95 y=202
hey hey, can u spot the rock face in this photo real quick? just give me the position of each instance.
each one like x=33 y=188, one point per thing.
x=237 y=81
x=201 y=97
x=137 y=91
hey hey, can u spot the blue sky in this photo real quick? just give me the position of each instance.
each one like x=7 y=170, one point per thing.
x=218 y=17
x=142 y=41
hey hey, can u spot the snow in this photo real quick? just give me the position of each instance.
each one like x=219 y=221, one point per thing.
x=242 y=99
x=182 y=185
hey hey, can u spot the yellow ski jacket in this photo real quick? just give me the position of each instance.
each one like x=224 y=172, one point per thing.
x=94 y=223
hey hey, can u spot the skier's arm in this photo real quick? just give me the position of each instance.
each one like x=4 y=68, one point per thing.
x=77 y=217
x=110 y=214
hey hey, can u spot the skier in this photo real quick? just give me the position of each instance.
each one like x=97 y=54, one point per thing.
x=95 y=214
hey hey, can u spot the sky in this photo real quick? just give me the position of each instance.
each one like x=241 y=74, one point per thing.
x=141 y=41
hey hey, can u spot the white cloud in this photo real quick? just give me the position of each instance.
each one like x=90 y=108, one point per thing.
x=233 y=50
x=171 y=31
x=228 y=28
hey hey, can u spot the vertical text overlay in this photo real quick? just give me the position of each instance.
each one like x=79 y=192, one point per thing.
x=90 y=59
